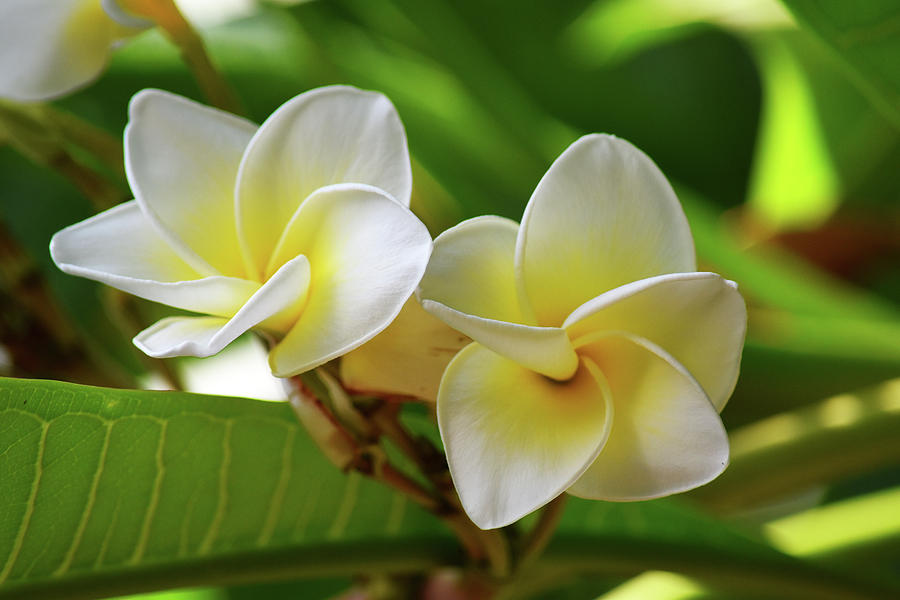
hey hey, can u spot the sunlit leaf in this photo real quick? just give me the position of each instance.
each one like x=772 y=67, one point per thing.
x=818 y=445
x=794 y=181
x=865 y=36
x=114 y=491
x=592 y=539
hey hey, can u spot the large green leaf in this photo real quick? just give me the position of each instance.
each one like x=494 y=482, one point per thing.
x=115 y=491
x=865 y=35
x=794 y=451
x=619 y=540
x=110 y=491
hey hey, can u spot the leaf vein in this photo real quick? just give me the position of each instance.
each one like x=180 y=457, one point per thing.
x=141 y=545
x=29 y=509
x=89 y=506
x=222 y=504
x=277 y=502
x=348 y=503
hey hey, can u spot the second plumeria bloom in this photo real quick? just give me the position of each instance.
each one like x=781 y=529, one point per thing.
x=300 y=227
x=600 y=358
x=51 y=47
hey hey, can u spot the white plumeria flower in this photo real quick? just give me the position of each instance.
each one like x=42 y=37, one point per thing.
x=49 y=48
x=300 y=227
x=600 y=358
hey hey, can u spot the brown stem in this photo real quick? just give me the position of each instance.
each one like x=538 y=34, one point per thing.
x=46 y=137
x=166 y=15
x=543 y=531
x=481 y=544
x=345 y=451
x=394 y=478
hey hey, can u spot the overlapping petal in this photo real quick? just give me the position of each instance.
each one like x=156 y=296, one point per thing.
x=470 y=284
x=182 y=160
x=515 y=439
x=121 y=248
x=471 y=269
x=367 y=252
x=322 y=137
x=51 y=47
x=698 y=318
x=602 y=216
x=280 y=301
x=666 y=437
x=408 y=358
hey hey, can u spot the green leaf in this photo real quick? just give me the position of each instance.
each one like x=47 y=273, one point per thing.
x=794 y=451
x=866 y=36
x=863 y=531
x=113 y=491
x=623 y=539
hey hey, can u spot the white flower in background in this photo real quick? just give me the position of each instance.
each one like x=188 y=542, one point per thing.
x=51 y=47
x=208 y=13
x=600 y=358
x=299 y=228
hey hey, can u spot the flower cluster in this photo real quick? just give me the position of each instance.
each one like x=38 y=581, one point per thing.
x=578 y=351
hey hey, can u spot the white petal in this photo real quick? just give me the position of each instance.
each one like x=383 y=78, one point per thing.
x=367 y=253
x=472 y=270
x=470 y=284
x=121 y=248
x=408 y=358
x=603 y=215
x=698 y=318
x=546 y=350
x=666 y=438
x=182 y=160
x=179 y=336
x=51 y=47
x=282 y=296
x=329 y=135
x=515 y=439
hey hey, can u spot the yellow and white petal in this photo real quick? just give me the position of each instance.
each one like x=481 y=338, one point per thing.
x=51 y=47
x=408 y=358
x=546 y=350
x=470 y=284
x=182 y=160
x=121 y=248
x=328 y=135
x=515 y=439
x=698 y=318
x=367 y=253
x=667 y=436
x=282 y=295
x=603 y=215
x=472 y=270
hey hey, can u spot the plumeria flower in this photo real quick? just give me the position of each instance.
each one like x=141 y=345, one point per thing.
x=299 y=228
x=600 y=358
x=49 y=48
